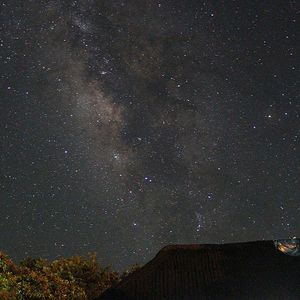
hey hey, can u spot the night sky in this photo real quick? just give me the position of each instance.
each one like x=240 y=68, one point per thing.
x=129 y=125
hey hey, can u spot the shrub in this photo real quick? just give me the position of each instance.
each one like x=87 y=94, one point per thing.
x=77 y=278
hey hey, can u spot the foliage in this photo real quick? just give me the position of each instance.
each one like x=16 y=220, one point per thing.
x=8 y=279
x=77 y=278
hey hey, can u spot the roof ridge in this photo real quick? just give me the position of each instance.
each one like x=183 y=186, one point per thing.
x=165 y=251
x=214 y=245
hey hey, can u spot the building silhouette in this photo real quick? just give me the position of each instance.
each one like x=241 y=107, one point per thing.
x=252 y=270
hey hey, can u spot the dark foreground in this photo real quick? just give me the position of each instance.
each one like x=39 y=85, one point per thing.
x=253 y=270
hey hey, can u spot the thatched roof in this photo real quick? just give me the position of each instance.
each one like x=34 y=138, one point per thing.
x=253 y=270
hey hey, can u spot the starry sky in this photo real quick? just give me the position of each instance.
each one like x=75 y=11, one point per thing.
x=129 y=125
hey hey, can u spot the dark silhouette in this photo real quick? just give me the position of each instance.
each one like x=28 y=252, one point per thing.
x=252 y=270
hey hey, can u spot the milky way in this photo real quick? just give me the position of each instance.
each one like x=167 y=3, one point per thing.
x=130 y=125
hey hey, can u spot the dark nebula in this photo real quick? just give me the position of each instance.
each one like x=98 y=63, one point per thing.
x=130 y=125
